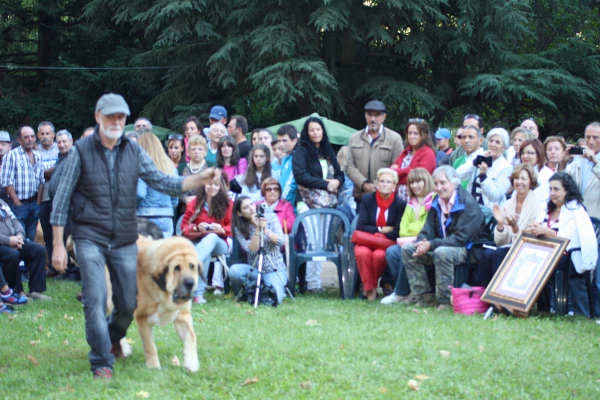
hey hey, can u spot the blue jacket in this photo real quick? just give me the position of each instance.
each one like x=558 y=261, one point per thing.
x=151 y=203
x=287 y=181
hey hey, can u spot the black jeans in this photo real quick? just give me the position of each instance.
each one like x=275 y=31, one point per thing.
x=34 y=256
x=45 y=211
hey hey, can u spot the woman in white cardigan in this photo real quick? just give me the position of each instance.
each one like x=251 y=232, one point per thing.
x=566 y=217
x=512 y=218
x=532 y=152
x=492 y=182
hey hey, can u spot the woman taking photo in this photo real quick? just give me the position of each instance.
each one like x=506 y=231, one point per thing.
x=207 y=223
x=511 y=218
x=566 y=217
x=492 y=182
x=152 y=205
x=379 y=219
x=258 y=170
x=271 y=191
x=555 y=147
x=421 y=194
x=247 y=228
x=532 y=153
x=176 y=152
x=228 y=158
x=419 y=153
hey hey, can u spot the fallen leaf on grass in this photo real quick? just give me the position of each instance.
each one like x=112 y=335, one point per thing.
x=424 y=311
x=175 y=362
x=130 y=341
x=251 y=312
x=374 y=363
x=421 y=377
x=66 y=342
x=143 y=394
x=2 y=370
x=40 y=314
x=382 y=390
x=250 y=381
x=34 y=342
x=11 y=317
x=67 y=388
x=306 y=385
x=481 y=348
x=341 y=347
x=201 y=320
x=67 y=318
x=415 y=311
x=444 y=353
x=40 y=328
x=48 y=334
x=32 y=359
x=238 y=305
x=204 y=311
x=534 y=337
x=414 y=385
x=311 y=322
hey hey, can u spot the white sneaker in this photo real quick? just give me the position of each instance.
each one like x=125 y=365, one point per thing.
x=598 y=322
x=391 y=299
x=199 y=300
x=218 y=291
x=39 y=296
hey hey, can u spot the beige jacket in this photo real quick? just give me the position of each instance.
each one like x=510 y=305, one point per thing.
x=529 y=212
x=363 y=161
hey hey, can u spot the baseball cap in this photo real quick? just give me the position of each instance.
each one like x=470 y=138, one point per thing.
x=443 y=133
x=112 y=104
x=5 y=136
x=375 y=105
x=218 y=112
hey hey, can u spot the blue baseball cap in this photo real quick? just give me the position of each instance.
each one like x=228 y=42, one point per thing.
x=218 y=112
x=443 y=133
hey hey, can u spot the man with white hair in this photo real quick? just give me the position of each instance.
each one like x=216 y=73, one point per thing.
x=101 y=172
x=453 y=221
x=142 y=123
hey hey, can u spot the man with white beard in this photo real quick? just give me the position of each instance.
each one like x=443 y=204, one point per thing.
x=101 y=174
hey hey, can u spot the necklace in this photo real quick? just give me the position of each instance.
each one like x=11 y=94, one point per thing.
x=195 y=171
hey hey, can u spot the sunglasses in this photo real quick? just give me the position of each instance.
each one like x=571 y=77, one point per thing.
x=459 y=136
x=272 y=189
x=175 y=136
x=474 y=116
x=415 y=120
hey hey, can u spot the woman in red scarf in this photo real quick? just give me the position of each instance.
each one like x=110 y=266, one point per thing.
x=377 y=228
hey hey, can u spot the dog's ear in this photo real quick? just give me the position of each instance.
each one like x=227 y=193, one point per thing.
x=161 y=278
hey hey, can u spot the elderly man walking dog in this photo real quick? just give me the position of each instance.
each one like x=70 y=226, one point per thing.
x=99 y=185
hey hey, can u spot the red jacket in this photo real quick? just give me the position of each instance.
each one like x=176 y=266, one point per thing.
x=423 y=158
x=204 y=217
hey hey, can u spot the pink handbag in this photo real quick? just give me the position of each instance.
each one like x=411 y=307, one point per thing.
x=468 y=301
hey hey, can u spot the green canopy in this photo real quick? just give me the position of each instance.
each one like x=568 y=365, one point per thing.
x=159 y=131
x=338 y=133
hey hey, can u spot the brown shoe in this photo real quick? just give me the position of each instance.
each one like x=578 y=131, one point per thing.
x=387 y=289
x=428 y=300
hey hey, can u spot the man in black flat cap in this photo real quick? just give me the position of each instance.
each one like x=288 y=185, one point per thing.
x=370 y=149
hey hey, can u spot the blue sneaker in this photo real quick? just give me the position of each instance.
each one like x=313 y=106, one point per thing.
x=13 y=299
x=4 y=309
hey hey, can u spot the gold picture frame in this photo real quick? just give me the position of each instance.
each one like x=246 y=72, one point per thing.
x=524 y=272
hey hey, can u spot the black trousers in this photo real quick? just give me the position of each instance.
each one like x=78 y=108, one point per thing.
x=34 y=256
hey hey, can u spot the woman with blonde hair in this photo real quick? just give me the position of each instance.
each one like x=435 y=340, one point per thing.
x=420 y=192
x=155 y=206
x=196 y=148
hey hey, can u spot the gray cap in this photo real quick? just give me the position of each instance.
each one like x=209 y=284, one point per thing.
x=5 y=136
x=112 y=104
x=375 y=105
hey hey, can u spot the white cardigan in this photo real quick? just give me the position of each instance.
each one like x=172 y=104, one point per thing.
x=543 y=189
x=574 y=224
x=497 y=183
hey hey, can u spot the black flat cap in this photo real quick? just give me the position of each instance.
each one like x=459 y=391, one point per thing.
x=375 y=105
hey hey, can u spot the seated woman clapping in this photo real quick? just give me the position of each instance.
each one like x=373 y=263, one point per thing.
x=420 y=193
x=379 y=217
x=207 y=223
x=247 y=228
x=511 y=218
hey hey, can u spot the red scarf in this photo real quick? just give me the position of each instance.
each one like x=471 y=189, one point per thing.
x=383 y=205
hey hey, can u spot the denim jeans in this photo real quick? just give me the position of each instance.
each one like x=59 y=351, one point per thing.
x=393 y=257
x=101 y=332
x=45 y=211
x=28 y=215
x=239 y=274
x=210 y=246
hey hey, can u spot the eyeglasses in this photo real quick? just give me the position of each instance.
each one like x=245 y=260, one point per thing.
x=529 y=153
x=272 y=189
x=474 y=116
x=415 y=120
x=175 y=136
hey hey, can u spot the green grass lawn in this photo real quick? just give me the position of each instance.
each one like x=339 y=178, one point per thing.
x=356 y=350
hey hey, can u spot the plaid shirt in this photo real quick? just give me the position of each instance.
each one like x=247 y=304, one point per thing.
x=168 y=184
x=19 y=173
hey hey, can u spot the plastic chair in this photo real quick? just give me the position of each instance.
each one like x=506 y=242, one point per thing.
x=320 y=242
x=353 y=274
x=561 y=286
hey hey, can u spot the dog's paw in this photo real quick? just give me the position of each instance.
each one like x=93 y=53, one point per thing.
x=191 y=364
x=126 y=348
x=154 y=364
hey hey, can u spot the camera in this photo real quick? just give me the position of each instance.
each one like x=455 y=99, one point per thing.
x=260 y=211
x=576 y=150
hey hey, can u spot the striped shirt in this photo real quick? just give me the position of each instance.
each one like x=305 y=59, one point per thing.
x=168 y=184
x=19 y=173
